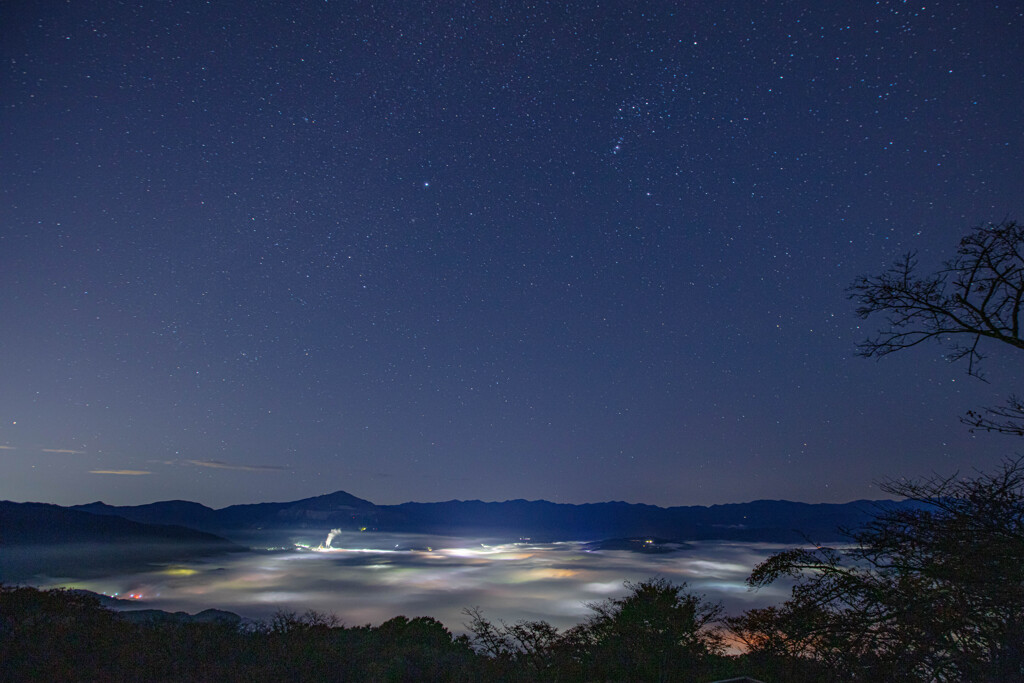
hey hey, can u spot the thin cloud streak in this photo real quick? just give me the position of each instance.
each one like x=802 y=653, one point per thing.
x=125 y=472
x=218 y=465
x=62 y=450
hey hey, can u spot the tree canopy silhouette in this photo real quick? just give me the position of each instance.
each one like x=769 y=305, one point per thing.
x=658 y=631
x=933 y=593
x=975 y=297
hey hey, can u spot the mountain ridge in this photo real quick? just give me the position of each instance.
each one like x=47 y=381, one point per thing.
x=42 y=539
x=768 y=520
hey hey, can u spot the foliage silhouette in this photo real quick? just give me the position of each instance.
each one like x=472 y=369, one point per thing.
x=64 y=636
x=933 y=593
x=658 y=631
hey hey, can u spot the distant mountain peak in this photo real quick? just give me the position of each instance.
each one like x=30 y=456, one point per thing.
x=333 y=500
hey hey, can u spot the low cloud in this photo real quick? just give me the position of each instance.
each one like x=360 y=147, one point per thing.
x=369 y=578
x=218 y=465
x=8 y=448
x=62 y=450
x=127 y=472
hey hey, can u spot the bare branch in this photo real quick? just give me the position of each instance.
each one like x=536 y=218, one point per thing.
x=977 y=295
x=1005 y=419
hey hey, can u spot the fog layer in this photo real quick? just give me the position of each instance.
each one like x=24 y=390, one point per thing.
x=369 y=578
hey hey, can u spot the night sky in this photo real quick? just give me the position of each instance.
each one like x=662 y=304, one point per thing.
x=422 y=251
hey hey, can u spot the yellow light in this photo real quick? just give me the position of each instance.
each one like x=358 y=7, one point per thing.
x=180 y=571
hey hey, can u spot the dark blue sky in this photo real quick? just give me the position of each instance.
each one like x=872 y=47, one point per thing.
x=488 y=250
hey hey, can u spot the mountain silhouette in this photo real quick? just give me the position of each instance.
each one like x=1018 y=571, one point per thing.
x=775 y=521
x=41 y=539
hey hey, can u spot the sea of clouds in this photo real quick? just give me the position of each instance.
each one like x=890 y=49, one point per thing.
x=367 y=578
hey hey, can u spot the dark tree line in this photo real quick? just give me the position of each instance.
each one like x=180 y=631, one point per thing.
x=61 y=635
x=657 y=632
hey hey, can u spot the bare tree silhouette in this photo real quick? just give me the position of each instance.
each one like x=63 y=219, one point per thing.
x=976 y=296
